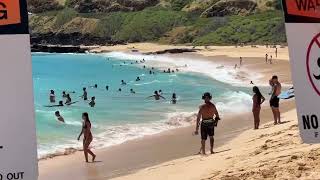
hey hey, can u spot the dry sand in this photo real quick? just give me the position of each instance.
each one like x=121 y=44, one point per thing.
x=153 y=150
x=273 y=152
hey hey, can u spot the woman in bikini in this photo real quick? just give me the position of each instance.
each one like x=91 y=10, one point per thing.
x=257 y=99
x=87 y=137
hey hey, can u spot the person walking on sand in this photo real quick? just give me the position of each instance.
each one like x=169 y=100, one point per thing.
x=87 y=137
x=276 y=52
x=52 y=97
x=210 y=117
x=274 y=100
x=257 y=99
x=270 y=59
x=267 y=58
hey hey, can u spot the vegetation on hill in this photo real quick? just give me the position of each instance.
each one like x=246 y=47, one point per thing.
x=167 y=21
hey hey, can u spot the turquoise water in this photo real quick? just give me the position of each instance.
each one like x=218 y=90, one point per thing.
x=118 y=116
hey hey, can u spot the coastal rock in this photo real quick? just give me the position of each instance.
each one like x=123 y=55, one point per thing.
x=173 y=51
x=95 y=6
x=39 y=6
x=230 y=7
x=74 y=39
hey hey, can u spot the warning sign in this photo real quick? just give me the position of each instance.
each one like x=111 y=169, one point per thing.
x=9 y=12
x=303 y=35
x=18 y=147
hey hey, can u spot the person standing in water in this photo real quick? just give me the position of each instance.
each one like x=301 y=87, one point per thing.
x=257 y=99
x=92 y=103
x=210 y=117
x=240 y=61
x=52 y=96
x=274 y=100
x=87 y=137
x=157 y=96
x=59 y=117
x=174 y=98
x=85 y=94
x=107 y=88
x=69 y=100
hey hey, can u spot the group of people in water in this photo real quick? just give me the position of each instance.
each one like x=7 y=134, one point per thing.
x=86 y=124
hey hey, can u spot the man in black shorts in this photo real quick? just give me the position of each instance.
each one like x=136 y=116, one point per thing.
x=210 y=117
x=274 y=100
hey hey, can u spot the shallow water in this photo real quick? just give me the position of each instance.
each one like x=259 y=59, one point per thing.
x=119 y=116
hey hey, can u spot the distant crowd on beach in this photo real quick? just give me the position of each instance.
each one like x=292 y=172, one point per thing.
x=269 y=59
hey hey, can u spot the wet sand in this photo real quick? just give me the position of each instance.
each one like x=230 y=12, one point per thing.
x=152 y=150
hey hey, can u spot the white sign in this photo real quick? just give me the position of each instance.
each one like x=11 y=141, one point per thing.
x=18 y=148
x=303 y=34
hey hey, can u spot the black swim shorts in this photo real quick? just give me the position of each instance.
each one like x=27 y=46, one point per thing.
x=274 y=102
x=207 y=129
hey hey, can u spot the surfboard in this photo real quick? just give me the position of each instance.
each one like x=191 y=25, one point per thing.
x=288 y=94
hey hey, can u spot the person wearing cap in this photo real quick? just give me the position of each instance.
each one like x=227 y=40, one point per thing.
x=210 y=117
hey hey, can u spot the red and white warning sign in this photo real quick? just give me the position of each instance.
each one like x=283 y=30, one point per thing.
x=303 y=35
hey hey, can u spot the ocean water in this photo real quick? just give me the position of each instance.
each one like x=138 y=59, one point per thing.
x=122 y=116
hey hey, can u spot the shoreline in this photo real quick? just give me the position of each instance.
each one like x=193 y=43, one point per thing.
x=148 y=151
x=142 y=159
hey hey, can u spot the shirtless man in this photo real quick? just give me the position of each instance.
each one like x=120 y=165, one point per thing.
x=274 y=100
x=210 y=117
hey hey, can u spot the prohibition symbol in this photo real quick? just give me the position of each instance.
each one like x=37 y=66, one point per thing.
x=313 y=63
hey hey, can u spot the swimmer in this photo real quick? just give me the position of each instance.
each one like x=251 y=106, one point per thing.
x=251 y=82
x=52 y=97
x=150 y=72
x=85 y=94
x=157 y=96
x=169 y=70
x=123 y=83
x=177 y=70
x=107 y=88
x=68 y=101
x=119 y=89
x=132 y=91
x=138 y=78
x=95 y=86
x=174 y=98
x=64 y=95
x=59 y=117
x=92 y=103
x=152 y=68
x=144 y=67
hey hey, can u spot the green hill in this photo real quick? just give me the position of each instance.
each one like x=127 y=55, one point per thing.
x=198 y=22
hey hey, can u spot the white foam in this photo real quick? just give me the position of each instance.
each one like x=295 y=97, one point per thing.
x=211 y=69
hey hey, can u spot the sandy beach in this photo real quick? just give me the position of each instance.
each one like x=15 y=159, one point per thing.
x=158 y=156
